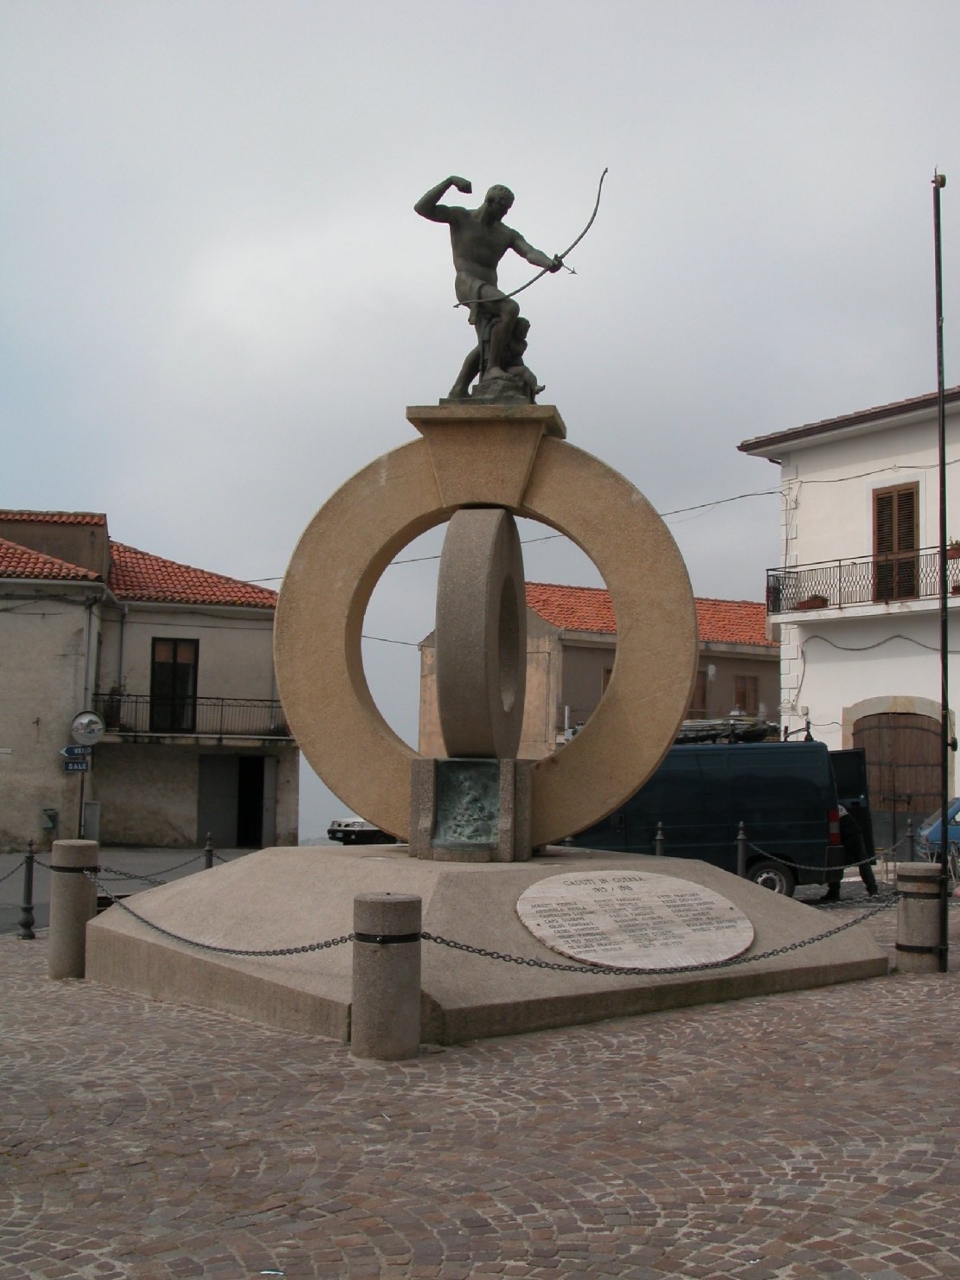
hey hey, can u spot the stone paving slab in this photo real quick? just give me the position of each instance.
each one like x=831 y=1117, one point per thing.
x=809 y=1134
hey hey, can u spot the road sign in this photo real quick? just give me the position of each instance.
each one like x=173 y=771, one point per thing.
x=76 y=766
x=74 y=751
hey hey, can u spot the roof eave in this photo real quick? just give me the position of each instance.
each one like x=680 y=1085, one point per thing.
x=883 y=418
x=182 y=606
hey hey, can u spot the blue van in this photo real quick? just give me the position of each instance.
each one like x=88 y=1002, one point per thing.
x=784 y=793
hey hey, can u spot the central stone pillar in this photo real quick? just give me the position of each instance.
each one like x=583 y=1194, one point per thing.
x=474 y=806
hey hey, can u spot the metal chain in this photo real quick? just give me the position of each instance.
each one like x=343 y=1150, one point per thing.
x=209 y=946
x=888 y=849
x=526 y=961
x=14 y=871
x=165 y=871
x=610 y=971
x=805 y=866
x=132 y=875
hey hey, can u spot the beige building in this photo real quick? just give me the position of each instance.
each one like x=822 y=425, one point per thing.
x=571 y=647
x=178 y=663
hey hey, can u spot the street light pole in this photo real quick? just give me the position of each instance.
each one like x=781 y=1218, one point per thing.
x=939 y=182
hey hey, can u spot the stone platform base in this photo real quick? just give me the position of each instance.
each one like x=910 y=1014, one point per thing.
x=288 y=897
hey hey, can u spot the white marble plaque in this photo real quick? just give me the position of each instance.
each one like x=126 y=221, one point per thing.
x=634 y=919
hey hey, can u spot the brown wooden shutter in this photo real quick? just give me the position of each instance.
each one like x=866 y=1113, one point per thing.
x=895 y=541
x=883 y=508
x=907 y=519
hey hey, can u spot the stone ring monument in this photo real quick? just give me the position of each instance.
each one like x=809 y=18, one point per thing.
x=486 y=455
x=515 y=459
x=473 y=819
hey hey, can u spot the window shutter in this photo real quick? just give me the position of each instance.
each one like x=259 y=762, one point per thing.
x=895 y=542
x=907 y=519
x=883 y=502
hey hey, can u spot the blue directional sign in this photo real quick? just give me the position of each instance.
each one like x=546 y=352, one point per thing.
x=76 y=766
x=74 y=751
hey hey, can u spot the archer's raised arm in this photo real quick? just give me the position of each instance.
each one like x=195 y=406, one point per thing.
x=428 y=206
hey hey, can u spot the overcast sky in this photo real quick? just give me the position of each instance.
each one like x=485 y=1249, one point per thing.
x=216 y=299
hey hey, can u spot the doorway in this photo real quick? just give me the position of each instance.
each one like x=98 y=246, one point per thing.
x=236 y=794
x=903 y=769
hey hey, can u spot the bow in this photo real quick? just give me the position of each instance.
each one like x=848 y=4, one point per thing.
x=560 y=256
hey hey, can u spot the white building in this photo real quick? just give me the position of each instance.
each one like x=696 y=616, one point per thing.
x=176 y=660
x=857 y=592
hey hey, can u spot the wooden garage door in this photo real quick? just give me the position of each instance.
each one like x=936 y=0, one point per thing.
x=903 y=761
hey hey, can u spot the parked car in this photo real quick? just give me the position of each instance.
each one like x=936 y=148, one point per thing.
x=929 y=833
x=357 y=831
x=784 y=793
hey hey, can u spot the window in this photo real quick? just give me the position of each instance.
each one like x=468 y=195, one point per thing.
x=747 y=694
x=698 y=703
x=895 y=542
x=173 y=686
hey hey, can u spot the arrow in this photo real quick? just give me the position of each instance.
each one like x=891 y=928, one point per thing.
x=74 y=751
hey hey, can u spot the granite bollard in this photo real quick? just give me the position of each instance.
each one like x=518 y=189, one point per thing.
x=385 y=1010
x=918 y=917
x=73 y=902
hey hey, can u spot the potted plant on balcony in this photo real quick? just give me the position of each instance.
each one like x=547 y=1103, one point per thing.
x=953 y=549
x=813 y=602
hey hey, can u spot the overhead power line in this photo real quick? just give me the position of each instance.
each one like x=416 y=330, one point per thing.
x=547 y=537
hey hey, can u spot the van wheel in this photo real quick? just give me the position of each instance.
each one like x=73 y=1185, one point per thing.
x=775 y=876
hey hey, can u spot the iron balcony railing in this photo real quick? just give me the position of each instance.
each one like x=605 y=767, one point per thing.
x=832 y=584
x=135 y=713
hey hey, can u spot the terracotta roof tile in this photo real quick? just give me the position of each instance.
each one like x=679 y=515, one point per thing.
x=733 y=622
x=55 y=517
x=573 y=608
x=589 y=609
x=21 y=562
x=138 y=575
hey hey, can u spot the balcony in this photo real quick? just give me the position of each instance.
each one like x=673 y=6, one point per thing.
x=138 y=715
x=837 y=584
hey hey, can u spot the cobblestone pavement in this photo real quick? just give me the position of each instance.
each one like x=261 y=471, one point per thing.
x=801 y=1135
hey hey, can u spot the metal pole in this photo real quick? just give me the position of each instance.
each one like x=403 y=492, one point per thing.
x=83 y=788
x=660 y=841
x=742 y=851
x=208 y=852
x=26 y=907
x=939 y=182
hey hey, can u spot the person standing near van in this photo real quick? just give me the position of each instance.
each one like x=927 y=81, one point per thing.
x=851 y=837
